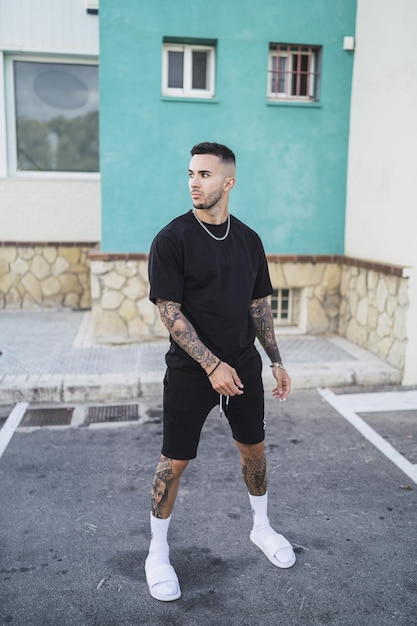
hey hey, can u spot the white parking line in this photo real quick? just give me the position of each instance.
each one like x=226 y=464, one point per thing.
x=10 y=425
x=343 y=406
x=381 y=401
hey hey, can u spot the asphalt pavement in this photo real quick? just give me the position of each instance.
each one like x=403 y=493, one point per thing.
x=74 y=525
x=75 y=476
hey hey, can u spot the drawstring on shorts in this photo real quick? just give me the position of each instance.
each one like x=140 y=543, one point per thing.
x=221 y=403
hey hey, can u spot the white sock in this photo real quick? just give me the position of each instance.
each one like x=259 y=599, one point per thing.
x=259 y=506
x=159 y=548
x=159 y=554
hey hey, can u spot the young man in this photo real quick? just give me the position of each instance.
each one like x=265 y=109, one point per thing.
x=209 y=279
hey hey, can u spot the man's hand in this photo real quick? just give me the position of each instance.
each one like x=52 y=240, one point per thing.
x=283 y=387
x=226 y=381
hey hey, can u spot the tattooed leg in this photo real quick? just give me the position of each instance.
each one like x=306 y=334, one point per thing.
x=254 y=475
x=165 y=486
x=253 y=467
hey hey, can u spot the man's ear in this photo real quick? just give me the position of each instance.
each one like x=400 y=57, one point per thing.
x=230 y=183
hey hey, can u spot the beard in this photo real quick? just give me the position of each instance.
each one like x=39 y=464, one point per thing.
x=210 y=200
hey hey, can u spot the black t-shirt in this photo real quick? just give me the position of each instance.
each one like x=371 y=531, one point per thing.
x=214 y=281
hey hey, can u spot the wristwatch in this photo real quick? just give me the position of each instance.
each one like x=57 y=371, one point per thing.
x=277 y=364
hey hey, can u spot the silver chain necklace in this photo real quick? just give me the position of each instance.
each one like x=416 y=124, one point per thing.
x=209 y=232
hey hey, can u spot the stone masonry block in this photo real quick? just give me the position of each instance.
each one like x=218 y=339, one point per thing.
x=372 y=280
x=392 y=283
x=50 y=253
x=332 y=276
x=134 y=289
x=4 y=267
x=344 y=282
x=361 y=286
x=391 y=304
x=147 y=311
x=396 y=355
x=8 y=254
x=20 y=266
x=381 y=294
x=126 y=268
x=70 y=283
x=112 y=280
x=13 y=298
x=303 y=274
x=50 y=286
x=384 y=328
x=32 y=286
x=71 y=254
x=95 y=287
x=138 y=330
x=403 y=292
x=277 y=276
x=72 y=300
x=317 y=319
x=362 y=312
x=40 y=268
x=128 y=310
x=6 y=281
x=111 y=299
x=400 y=324
x=101 y=267
x=60 y=265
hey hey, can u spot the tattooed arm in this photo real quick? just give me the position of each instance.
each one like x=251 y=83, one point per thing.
x=263 y=320
x=184 y=334
x=224 y=379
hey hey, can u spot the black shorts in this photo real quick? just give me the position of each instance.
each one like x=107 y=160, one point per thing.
x=189 y=399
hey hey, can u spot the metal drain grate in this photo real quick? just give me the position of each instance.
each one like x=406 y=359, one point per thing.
x=121 y=413
x=47 y=417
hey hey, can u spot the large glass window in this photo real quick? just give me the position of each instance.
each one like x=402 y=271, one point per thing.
x=56 y=107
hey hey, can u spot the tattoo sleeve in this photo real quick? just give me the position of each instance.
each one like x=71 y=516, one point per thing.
x=184 y=333
x=263 y=320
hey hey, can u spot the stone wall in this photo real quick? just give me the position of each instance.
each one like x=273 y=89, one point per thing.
x=362 y=301
x=365 y=302
x=44 y=275
x=121 y=309
x=373 y=311
x=319 y=283
x=122 y=312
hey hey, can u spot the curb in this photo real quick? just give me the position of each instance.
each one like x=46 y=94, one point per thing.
x=111 y=387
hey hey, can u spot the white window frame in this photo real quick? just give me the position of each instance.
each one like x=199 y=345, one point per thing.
x=288 y=315
x=291 y=55
x=187 y=91
x=12 y=170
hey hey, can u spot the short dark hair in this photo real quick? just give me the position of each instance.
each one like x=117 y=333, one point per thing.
x=217 y=149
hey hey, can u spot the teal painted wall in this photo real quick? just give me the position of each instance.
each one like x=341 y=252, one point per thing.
x=291 y=160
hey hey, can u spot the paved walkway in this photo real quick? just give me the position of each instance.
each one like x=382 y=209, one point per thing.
x=50 y=357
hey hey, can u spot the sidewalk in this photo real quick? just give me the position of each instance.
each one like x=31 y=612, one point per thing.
x=50 y=357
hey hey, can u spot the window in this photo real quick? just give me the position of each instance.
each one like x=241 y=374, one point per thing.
x=188 y=71
x=53 y=116
x=285 y=305
x=293 y=72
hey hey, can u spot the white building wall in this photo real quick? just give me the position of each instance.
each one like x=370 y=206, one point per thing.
x=60 y=26
x=42 y=210
x=381 y=220
x=54 y=207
